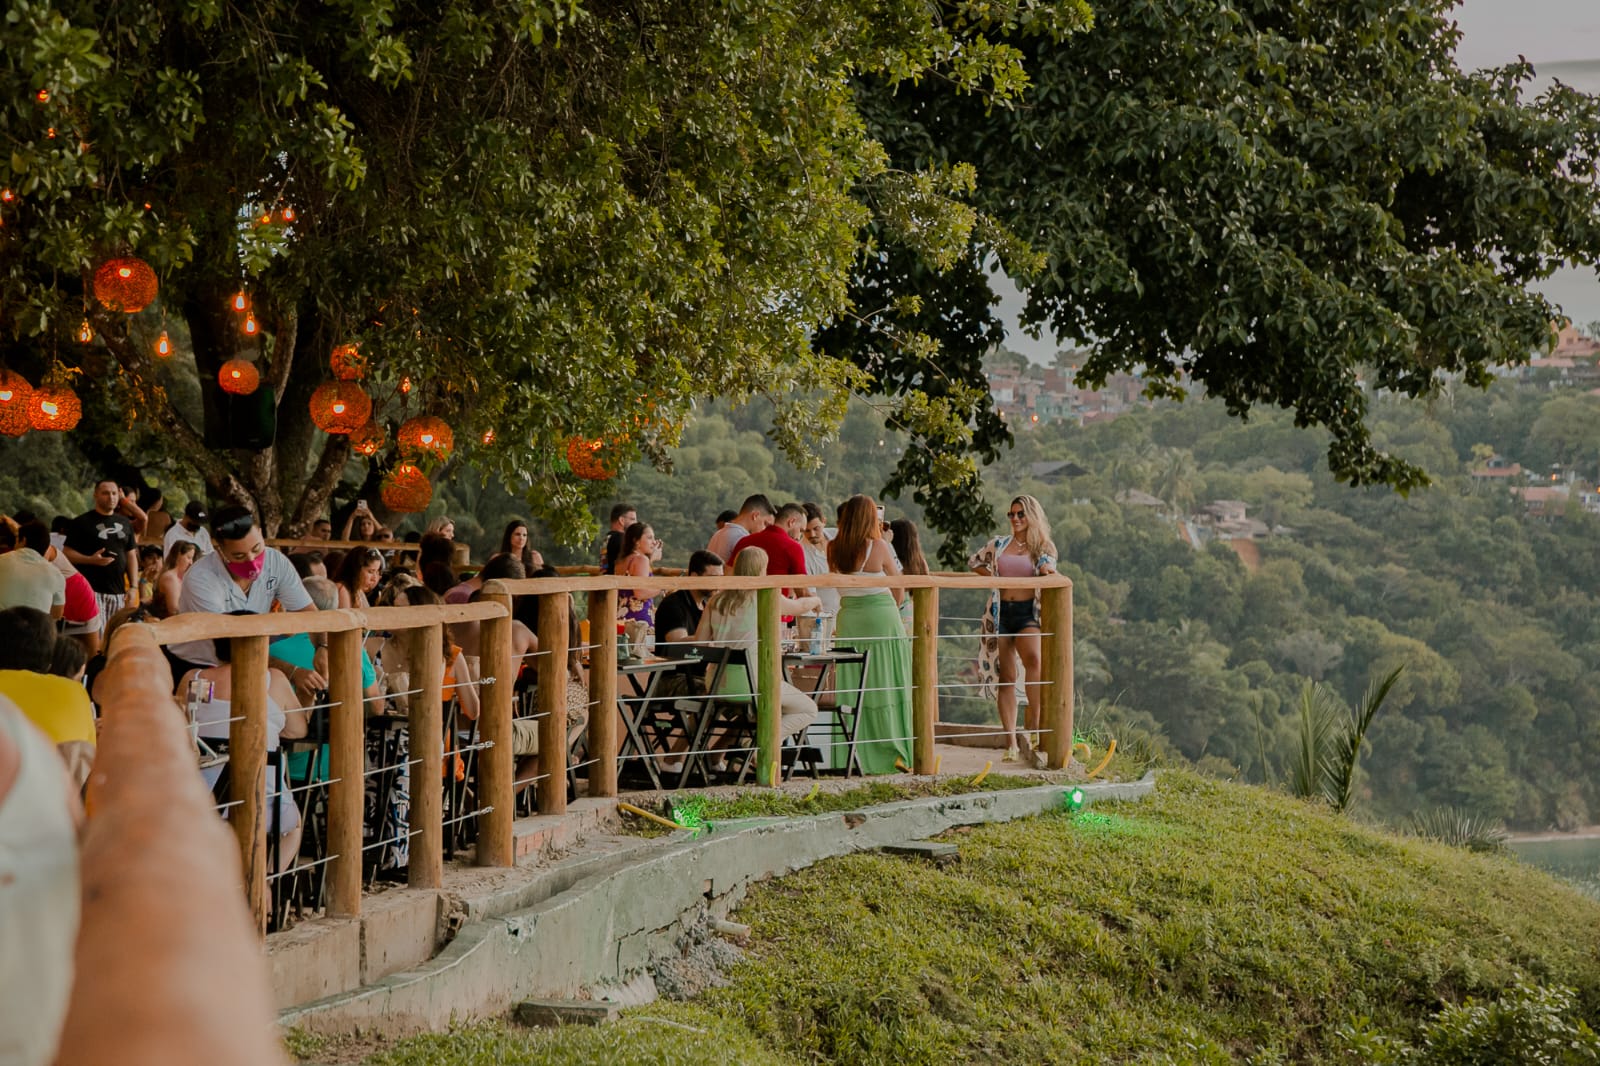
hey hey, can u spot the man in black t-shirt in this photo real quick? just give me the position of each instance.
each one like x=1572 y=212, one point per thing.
x=101 y=544
x=679 y=614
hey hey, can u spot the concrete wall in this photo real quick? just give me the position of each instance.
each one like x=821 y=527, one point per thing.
x=614 y=914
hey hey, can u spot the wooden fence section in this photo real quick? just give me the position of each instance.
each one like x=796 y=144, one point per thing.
x=421 y=628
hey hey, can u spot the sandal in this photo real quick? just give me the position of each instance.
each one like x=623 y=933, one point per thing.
x=1011 y=754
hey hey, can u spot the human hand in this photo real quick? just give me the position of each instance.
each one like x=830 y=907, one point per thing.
x=101 y=557
x=309 y=680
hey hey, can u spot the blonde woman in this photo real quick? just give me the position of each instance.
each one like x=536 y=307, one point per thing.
x=1027 y=551
x=729 y=620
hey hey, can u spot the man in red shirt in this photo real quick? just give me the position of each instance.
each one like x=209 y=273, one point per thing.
x=781 y=542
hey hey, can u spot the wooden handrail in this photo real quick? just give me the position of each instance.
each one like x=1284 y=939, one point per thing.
x=424 y=640
x=166 y=967
x=326 y=546
x=534 y=586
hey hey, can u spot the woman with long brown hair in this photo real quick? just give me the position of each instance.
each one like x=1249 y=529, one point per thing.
x=869 y=620
x=1013 y=614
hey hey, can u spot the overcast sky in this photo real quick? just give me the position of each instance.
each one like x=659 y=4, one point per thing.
x=1560 y=37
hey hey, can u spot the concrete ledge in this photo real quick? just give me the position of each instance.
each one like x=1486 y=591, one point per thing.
x=617 y=917
x=314 y=959
x=399 y=929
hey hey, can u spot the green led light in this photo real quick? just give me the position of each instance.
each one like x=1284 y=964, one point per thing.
x=1073 y=799
x=690 y=814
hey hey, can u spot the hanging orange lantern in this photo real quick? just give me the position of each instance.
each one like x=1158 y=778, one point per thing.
x=54 y=408
x=340 y=407
x=348 y=363
x=406 y=489
x=287 y=213
x=240 y=301
x=488 y=437
x=426 y=434
x=15 y=397
x=367 y=439
x=85 y=332
x=163 y=345
x=239 y=376
x=588 y=460
x=250 y=327
x=125 y=284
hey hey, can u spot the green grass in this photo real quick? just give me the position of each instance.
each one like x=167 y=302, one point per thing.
x=1210 y=923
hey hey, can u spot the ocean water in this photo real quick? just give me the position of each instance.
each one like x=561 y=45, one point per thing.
x=1577 y=859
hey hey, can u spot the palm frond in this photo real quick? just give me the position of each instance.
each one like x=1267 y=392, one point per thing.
x=1311 y=768
x=1341 y=784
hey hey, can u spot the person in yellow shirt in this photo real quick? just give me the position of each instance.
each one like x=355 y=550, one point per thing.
x=58 y=706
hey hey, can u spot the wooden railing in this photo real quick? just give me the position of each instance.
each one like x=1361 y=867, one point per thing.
x=250 y=635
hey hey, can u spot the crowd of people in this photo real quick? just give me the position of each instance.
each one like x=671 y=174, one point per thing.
x=65 y=587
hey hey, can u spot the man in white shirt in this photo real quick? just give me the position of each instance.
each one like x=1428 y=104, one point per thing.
x=243 y=574
x=27 y=579
x=754 y=515
x=191 y=527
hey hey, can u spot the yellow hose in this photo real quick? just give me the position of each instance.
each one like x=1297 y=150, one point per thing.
x=642 y=813
x=1111 y=749
x=1088 y=752
x=938 y=760
x=985 y=773
x=815 y=788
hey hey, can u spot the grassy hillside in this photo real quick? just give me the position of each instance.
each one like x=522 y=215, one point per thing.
x=1210 y=923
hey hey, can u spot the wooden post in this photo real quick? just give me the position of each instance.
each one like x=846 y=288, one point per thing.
x=553 y=610
x=924 y=675
x=425 y=651
x=496 y=763
x=347 y=765
x=1056 y=675
x=247 y=767
x=769 y=685
x=603 y=693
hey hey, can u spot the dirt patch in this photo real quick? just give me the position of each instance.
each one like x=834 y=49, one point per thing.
x=702 y=961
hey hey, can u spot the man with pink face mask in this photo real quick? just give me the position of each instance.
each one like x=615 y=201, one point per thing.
x=242 y=574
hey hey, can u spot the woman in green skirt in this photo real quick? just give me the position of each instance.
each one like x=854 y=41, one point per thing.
x=869 y=620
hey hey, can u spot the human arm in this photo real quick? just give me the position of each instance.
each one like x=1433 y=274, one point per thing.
x=982 y=560
x=281 y=692
x=137 y=518
x=880 y=554
x=798 y=605
x=133 y=575
x=466 y=692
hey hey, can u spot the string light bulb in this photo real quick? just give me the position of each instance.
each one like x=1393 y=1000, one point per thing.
x=488 y=438
x=43 y=96
x=288 y=213
x=240 y=301
x=163 y=345
x=7 y=195
x=85 y=332
x=250 y=327
x=405 y=384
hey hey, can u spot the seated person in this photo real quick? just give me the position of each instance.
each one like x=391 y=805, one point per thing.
x=285 y=720
x=679 y=614
x=58 y=706
x=307 y=653
x=525 y=731
x=730 y=621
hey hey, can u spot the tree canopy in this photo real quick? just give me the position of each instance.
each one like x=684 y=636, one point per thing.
x=576 y=219
x=548 y=219
x=1281 y=202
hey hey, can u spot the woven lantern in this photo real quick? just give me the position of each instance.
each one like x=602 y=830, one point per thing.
x=125 y=284
x=239 y=377
x=15 y=395
x=426 y=435
x=348 y=363
x=588 y=459
x=54 y=407
x=340 y=407
x=406 y=489
x=367 y=439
